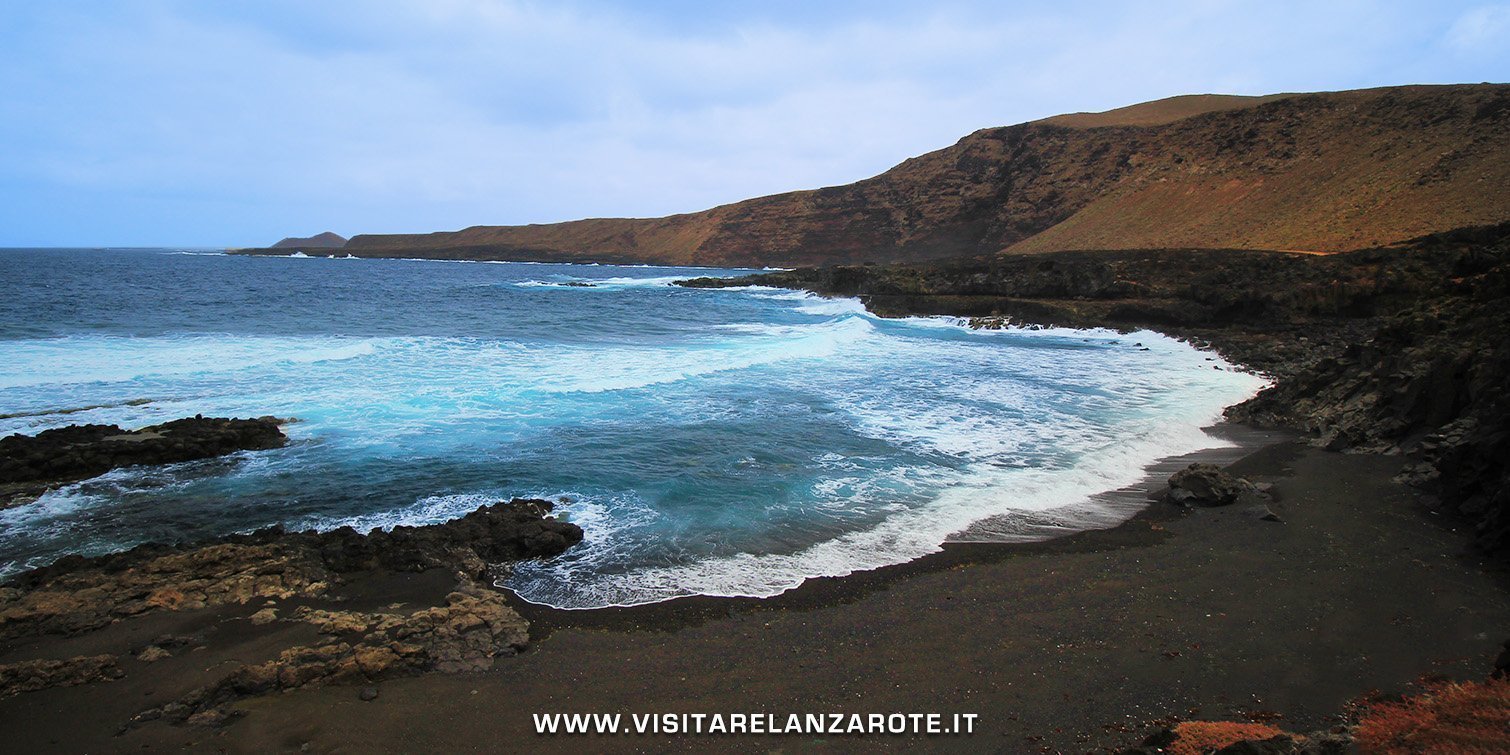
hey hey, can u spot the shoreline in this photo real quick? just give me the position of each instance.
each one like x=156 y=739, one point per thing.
x=1072 y=644
x=1116 y=508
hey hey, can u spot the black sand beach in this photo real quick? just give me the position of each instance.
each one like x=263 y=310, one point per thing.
x=1069 y=645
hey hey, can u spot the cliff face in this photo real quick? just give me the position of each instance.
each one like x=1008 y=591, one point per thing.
x=1314 y=172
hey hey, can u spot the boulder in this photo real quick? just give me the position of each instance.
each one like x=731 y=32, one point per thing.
x=1205 y=485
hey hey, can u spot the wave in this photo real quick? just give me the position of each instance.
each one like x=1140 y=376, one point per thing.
x=115 y=359
x=915 y=429
x=591 y=372
x=428 y=510
x=75 y=409
x=812 y=304
x=1033 y=452
x=980 y=491
x=604 y=284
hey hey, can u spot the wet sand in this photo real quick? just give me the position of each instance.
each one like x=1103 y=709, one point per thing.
x=1068 y=645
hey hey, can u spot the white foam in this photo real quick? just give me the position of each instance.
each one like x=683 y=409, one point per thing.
x=967 y=418
x=981 y=491
x=604 y=284
x=113 y=359
x=427 y=510
x=811 y=304
x=591 y=372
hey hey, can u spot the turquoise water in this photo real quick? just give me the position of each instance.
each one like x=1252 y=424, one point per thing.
x=713 y=442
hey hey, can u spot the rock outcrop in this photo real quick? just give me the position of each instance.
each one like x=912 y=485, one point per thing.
x=31 y=463
x=466 y=634
x=300 y=578
x=1205 y=485
x=30 y=676
x=76 y=594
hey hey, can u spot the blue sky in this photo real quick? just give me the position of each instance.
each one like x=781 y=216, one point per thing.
x=237 y=123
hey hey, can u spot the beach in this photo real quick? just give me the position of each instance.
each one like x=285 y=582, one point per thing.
x=1073 y=644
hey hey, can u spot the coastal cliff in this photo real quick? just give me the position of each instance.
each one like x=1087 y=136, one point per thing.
x=1317 y=172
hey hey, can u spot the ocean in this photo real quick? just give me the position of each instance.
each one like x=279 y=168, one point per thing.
x=709 y=442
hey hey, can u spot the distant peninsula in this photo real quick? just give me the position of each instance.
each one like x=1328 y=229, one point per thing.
x=326 y=240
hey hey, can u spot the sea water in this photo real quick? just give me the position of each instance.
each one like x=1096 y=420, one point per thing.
x=709 y=442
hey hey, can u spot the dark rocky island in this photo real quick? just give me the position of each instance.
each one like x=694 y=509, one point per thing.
x=30 y=465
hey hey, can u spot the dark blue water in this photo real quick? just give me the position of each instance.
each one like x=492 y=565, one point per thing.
x=710 y=442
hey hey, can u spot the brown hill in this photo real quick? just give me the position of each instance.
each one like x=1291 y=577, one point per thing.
x=1162 y=111
x=1327 y=172
x=326 y=240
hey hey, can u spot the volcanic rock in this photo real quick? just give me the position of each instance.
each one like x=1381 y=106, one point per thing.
x=76 y=594
x=29 y=676
x=1205 y=485
x=80 y=451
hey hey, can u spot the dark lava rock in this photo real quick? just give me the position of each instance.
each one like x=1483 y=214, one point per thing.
x=81 y=451
x=1280 y=745
x=473 y=629
x=503 y=532
x=1205 y=485
x=30 y=676
x=76 y=593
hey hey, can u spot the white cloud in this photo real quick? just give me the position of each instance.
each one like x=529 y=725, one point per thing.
x=416 y=116
x=1484 y=29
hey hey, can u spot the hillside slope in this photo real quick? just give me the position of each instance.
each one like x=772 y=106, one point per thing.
x=326 y=240
x=1315 y=172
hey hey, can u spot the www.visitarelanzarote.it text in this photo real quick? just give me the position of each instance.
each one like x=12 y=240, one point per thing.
x=756 y=723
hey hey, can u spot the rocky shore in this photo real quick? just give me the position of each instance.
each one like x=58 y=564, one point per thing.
x=1395 y=350
x=293 y=602
x=30 y=464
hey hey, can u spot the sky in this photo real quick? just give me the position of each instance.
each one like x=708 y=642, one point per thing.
x=235 y=123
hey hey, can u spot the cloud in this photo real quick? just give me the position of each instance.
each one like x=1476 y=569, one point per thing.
x=182 y=122
x=1481 y=30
